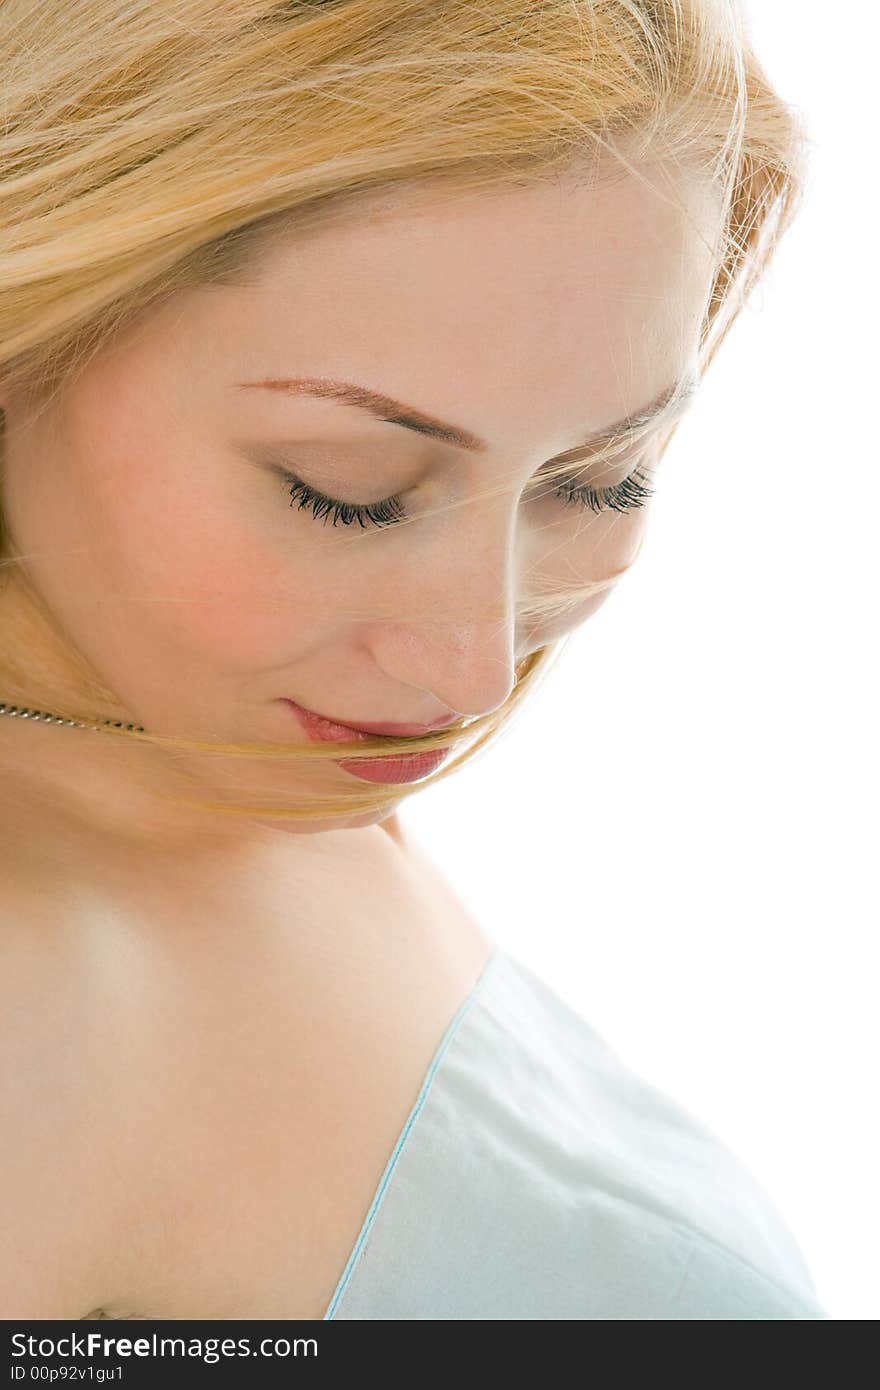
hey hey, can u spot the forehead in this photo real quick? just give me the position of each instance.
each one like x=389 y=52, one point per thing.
x=581 y=293
x=573 y=235
x=554 y=307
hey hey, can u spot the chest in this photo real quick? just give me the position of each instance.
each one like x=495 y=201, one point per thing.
x=206 y=1109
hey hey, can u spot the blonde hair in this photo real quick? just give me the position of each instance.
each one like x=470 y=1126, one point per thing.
x=204 y=131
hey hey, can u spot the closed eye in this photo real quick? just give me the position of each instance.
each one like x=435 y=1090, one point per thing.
x=633 y=492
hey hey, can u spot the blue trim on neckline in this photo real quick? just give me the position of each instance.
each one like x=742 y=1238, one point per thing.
x=439 y=1052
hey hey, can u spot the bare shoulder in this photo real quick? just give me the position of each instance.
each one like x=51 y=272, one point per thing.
x=239 y=1047
x=50 y=1249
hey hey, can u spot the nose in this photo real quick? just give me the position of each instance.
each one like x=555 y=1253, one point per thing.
x=468 y=665
x=459 y=640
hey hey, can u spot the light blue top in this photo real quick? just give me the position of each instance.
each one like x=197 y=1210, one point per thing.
x=538 y=1177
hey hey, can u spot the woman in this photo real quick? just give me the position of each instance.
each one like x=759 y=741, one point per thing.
x=339 y=345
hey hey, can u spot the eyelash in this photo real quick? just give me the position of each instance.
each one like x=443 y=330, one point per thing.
x=627 y=495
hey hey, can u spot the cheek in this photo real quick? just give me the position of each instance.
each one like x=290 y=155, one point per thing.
x=177 y=552
x=186 y=571
x=211 y=579
x=616 y=540
x=600 y=547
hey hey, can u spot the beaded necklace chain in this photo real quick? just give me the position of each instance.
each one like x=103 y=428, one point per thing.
x=24 y=713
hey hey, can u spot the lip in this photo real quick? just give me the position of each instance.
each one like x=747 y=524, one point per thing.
x=408 y=767
x=335 y=730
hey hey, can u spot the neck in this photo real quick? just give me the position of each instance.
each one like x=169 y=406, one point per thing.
x=99 y=793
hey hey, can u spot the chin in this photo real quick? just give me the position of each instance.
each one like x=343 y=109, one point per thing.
x=386 y=819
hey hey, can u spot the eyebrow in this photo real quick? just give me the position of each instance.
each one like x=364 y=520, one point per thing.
x=670 y=402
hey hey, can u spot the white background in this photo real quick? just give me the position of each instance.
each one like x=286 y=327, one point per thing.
x=698 y=877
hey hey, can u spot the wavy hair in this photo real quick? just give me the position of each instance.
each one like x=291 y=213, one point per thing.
x=203 y=131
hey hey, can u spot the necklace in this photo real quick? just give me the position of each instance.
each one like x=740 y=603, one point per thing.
x=57 y=719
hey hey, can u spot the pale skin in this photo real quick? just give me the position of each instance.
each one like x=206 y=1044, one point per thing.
x=164 y=544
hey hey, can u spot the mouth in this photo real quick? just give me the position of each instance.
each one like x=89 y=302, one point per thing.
x=407 y=767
